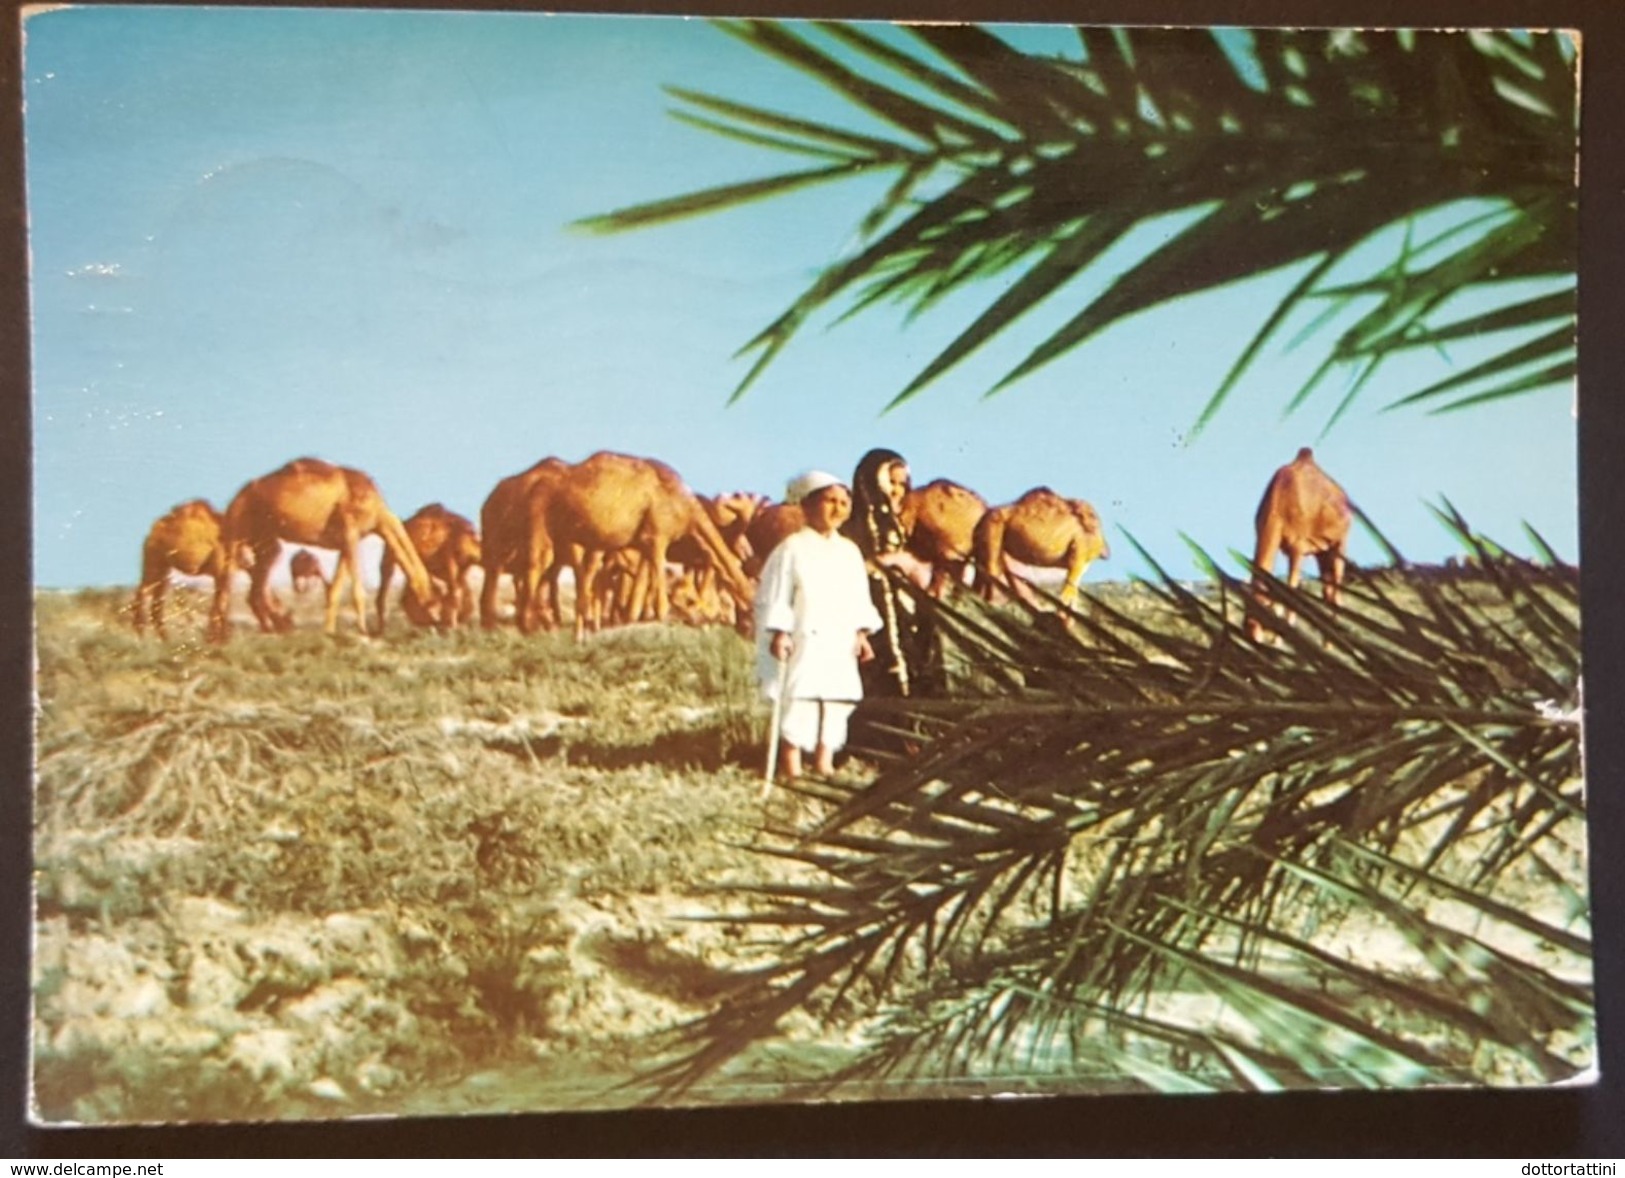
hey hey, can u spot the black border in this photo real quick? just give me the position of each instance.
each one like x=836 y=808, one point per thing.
x=1553 y=1124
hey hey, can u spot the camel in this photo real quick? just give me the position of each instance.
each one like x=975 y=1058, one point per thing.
x=1041 y=528
x=505 y=530
x=189 y=539
x=1303 y=513
x=698 y=601
x=450 y=548
x=309 y=501
x=613 y=501
x=306 y=571
x=612 y=588
x=768 y=528
x=732 y=514
x=940 y=521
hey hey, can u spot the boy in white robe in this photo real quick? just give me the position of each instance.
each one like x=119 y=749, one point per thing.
x=813 y=609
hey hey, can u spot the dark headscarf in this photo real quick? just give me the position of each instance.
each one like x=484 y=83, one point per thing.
x=907 y=656
x=874 y=526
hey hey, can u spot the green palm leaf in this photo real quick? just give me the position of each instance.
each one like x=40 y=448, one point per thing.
x=1287 y=148
x=1147 y=849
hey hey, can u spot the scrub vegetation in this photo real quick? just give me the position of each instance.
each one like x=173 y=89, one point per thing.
x=296 y=876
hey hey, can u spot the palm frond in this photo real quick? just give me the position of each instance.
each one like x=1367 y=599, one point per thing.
x=1140 y=847
x=1298 y=149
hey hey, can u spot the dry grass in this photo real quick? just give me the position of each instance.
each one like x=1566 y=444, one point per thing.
x=301 y=876
x=513 y=823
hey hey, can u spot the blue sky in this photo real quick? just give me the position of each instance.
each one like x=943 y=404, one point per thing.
x=259 y=234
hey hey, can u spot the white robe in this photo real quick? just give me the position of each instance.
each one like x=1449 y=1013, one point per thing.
x=814 y=587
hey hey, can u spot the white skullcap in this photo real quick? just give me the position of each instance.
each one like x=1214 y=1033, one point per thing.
x=810 y=483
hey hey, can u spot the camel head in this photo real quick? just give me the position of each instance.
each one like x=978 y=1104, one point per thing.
x=1090 y=519
x=422 y=612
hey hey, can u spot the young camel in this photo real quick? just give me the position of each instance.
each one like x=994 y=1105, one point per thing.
x=450 y=548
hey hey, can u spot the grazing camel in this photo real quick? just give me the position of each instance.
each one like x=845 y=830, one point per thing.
x=768 y=528
x=612 y=588
x=1042 y=529
x=613 y=501
x=940 y=521
x=306 y=571
x=450 y=548
x=190 y=540
x=1303 y=513
x=732 y=514
x=309 y=501
x=505 y=531
x=697 y=600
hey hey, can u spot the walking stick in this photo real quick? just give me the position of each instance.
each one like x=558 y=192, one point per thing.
x=775 y=725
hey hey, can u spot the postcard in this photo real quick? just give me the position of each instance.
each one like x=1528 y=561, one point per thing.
x=594 y=561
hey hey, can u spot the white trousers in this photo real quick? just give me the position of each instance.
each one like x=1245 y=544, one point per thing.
x=807 y=723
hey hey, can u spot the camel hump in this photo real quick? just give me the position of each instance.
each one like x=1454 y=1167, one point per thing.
x=307 y=466
x=195 y=509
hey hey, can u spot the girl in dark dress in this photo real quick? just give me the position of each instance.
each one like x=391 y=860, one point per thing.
x=907 y=658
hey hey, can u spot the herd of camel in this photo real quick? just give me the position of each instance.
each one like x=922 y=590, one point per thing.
x=641 y=545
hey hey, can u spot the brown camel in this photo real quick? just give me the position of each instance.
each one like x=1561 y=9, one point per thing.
x=613 y=586
x=1303 y=513
x=1041 y=529
x=613 y=501
x=732 y=515
x=771 y=526
x=306 y=571
x=450 y=548
x=189 y=540
x=940 y=521
x=505 y=530
x=309 y=501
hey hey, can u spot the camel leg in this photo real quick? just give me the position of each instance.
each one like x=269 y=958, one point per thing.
x=635 y=600
x=266 y=610
x=1332 y=566
x=399 y=545
x=335 y=593
x=465 y=596
x=358 y=594
x=534 y=564
x=450 y=594
x=349 y=566
x=1294 y=578
x=386 y=574
x=1076 y=564
x=657 y=578
x=1264 y=551
x=218 y=607
x=554 y=617
x=138 y=607
x=160 y=588
x=141 y=605
x=587 y=565
x=488 y=593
